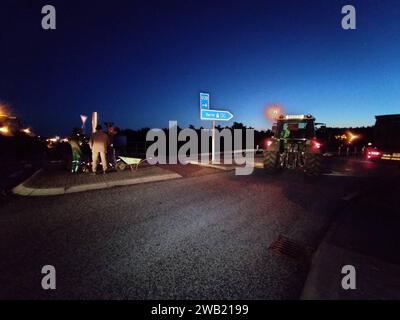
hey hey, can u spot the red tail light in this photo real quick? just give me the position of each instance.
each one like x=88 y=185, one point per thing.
x=268 y=143
x=316 y=144
x=373 y=153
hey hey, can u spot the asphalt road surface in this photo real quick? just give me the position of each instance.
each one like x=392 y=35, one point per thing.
x=202 y=237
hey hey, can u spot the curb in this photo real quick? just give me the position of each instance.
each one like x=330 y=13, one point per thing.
x=257 y=165
x=211 y=165
x=311 y=280
x=22 y=190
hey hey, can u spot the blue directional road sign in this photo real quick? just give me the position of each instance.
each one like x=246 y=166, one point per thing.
x=216 y=115
x=204 y=101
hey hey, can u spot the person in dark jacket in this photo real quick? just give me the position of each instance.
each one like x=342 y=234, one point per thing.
x=119 y=143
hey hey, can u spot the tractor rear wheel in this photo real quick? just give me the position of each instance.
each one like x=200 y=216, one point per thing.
x=313 y=164
x=271 y=161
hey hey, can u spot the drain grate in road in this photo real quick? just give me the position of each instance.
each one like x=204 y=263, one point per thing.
x=285 y=246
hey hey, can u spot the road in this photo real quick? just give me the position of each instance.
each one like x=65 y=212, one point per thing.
x=202 y=237
x=13 y=172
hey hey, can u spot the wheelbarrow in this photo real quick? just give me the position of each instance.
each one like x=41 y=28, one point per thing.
x=124 y=162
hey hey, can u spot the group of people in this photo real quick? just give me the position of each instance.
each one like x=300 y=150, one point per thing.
x=104 y=146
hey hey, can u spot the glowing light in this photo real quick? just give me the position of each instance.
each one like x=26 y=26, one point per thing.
x=27 y=130
x=273 y=111
x=295 y=117
x=53 y=139
x=373 y=153
x=351 y=137
x=316 y=145
x=341 y=137
x=4 y=130
x=267 y=143
x=83 y=118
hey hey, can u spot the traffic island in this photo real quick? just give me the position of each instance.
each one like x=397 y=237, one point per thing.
x=53 y=181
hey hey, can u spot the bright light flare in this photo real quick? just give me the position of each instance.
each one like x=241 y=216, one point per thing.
x=316 y=145
x=267 y=143
x=351 y=136
x=4 y=130
x=273 y=111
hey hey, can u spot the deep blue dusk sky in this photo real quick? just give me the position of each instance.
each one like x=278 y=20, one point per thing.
x=142 y=63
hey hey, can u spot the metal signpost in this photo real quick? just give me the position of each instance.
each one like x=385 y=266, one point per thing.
x=212 y=115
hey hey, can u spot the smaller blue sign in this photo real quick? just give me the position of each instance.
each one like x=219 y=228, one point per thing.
x=204 y=101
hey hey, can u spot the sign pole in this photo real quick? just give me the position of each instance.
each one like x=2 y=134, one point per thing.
x=213 y=143
x=212 y=115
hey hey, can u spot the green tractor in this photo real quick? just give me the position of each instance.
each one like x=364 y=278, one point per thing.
x=294 y=146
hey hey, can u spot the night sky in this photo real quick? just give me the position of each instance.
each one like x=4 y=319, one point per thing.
x=142 y=63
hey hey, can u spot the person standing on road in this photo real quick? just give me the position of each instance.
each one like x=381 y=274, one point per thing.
x=99 y=143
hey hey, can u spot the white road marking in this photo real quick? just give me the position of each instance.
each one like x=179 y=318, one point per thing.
x=342 y=174
x=337 y=174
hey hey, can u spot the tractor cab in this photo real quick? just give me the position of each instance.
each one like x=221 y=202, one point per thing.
x=295 y=127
